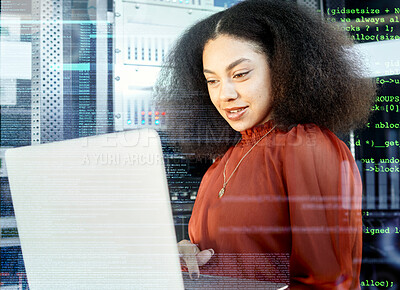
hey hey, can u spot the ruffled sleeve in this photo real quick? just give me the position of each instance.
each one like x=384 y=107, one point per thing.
x=324 y=191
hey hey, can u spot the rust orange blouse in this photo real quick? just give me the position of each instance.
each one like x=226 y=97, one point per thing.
x=290 y=213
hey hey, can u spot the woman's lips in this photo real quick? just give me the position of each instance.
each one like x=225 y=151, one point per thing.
x=235 y=113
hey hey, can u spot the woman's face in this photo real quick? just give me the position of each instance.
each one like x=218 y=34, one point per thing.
x=238 y=81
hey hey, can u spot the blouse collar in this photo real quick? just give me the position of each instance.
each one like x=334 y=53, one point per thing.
x=254 y=134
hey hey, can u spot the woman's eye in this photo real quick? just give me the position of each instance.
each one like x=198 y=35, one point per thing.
x=211 y=82
x=240 y=75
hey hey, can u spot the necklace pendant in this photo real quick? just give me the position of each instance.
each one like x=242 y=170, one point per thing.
x=221 y=192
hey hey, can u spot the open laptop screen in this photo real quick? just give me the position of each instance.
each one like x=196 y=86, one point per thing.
x=94 y=213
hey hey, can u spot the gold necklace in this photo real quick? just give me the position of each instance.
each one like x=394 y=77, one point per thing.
x=222 y=191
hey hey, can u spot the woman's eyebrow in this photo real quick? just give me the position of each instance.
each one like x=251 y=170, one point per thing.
x=230 y=66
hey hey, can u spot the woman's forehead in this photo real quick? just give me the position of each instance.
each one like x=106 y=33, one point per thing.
x=233 y=38
x=226 y=51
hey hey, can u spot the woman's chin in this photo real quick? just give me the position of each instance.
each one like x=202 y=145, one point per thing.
x=240 y=126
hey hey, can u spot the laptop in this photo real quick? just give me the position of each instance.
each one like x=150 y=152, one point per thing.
x=95 y=213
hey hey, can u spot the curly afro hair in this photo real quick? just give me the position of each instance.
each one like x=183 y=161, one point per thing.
x=315 y=76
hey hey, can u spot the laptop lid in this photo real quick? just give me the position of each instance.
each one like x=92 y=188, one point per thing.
x=94 y=213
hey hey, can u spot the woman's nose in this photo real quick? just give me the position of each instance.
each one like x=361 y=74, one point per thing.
x=228 y=91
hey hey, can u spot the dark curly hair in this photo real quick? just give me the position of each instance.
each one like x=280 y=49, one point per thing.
x=314 y=77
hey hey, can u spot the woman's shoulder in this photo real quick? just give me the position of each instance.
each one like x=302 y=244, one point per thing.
x=307 y=135
x=312 y=142
x=316 y=162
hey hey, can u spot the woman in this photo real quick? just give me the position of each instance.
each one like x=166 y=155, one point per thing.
x=262 y=86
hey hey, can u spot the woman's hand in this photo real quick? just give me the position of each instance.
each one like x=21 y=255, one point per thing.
x=192 y=257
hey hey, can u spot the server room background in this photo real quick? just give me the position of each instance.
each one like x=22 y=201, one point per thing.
x=75 y=68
